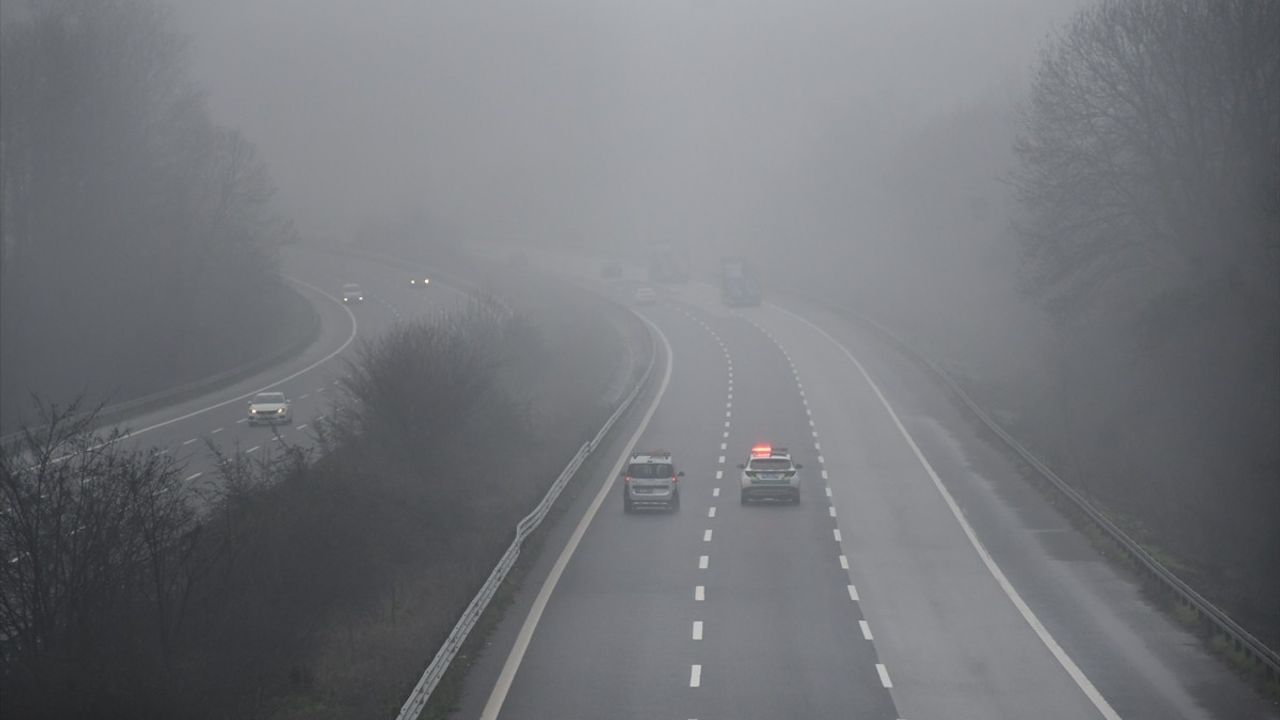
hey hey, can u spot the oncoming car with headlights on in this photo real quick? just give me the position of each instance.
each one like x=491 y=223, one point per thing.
x=770 y=474
x=269 y=408
x=651 y=481
x=419 y=282
x=351 y=293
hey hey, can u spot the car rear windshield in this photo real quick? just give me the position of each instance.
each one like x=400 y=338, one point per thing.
x=650 y=470
x=770 y=464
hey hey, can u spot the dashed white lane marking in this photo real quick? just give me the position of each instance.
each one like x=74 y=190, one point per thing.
x=188 y=442
x=216 y=431
x=866 y=630
x=702 y=562
x=811 y=423
x=697 y=629
x=726 y=433
x=321 y=417
x=728 y=405
x=816 y=446
x=844 y=562
x=815 y=434
x=711 y=511
x=831 y=509
x=719 y=476
x=497 y=696
x=193 y=476
x=884 y=675
x=1082 y=681
x=242 y=420
x=695 y=676
x=699 y=593
x=706 y=535
x=303 y=425
x=828 y=490
x=724 y=446
x=721 y=460
x=728 y=413
x=730 y=396
x=304 y=396
x=836 y=533
x=252 y=449
x=853 y=593
x=726 y=423
x=319 y=389
x=824 y=474
x=715 y=492
x=822 y=460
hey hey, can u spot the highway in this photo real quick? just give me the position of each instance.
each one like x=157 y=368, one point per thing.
x=920 y=576
x=217 y=419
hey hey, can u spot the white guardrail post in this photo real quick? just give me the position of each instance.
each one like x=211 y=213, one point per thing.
x=417 y=701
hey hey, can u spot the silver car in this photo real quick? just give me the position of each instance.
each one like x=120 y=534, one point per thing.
x=351 y=293
x=770 y=474
x=269 y=408
x=651 y=481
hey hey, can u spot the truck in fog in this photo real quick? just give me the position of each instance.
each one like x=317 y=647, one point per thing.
x=738 y=284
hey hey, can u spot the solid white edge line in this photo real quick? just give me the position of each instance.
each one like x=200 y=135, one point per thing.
x=1082 y=681
x=503 y=684
x=350 y=337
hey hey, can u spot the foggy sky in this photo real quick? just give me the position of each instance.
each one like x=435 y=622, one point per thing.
x=602 y=120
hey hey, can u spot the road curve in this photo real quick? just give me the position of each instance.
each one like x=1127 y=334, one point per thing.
x=920 y=576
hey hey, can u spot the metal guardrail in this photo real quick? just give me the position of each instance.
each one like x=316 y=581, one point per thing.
x=121 y=411
x=1242 y=641
x=439 y=665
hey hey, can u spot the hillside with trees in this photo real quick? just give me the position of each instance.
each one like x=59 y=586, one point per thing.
x=137 y=245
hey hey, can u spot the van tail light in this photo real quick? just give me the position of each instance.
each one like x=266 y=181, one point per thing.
x=674 y=479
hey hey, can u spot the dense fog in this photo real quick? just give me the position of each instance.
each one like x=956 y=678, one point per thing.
x=1073 y=208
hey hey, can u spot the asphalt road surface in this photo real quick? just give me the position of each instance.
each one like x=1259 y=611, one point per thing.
x=919 y=577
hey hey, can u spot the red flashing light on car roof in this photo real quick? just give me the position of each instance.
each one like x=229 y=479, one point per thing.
x=761 y=451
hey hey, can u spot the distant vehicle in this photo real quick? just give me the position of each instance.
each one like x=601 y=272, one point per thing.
x=351 y=293
x=651 y=481
x=738 y=284
x=610 y=269
x=769 y=473
x=419 y=281
x=270 y=408
x=646 y=296
x=666 y=265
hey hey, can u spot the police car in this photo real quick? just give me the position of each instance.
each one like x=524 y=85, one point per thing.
x=770 y=474
x=651 y=481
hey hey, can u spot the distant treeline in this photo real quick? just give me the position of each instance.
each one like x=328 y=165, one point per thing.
x=136 y=247
x=1131 y=197
x=313 y=583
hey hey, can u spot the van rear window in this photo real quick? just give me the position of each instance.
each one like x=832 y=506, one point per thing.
x=650 y=470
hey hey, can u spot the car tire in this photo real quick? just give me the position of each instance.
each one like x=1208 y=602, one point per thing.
x=742 y=497
x=626 y=506
x=674 y=505
x=795 y=498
